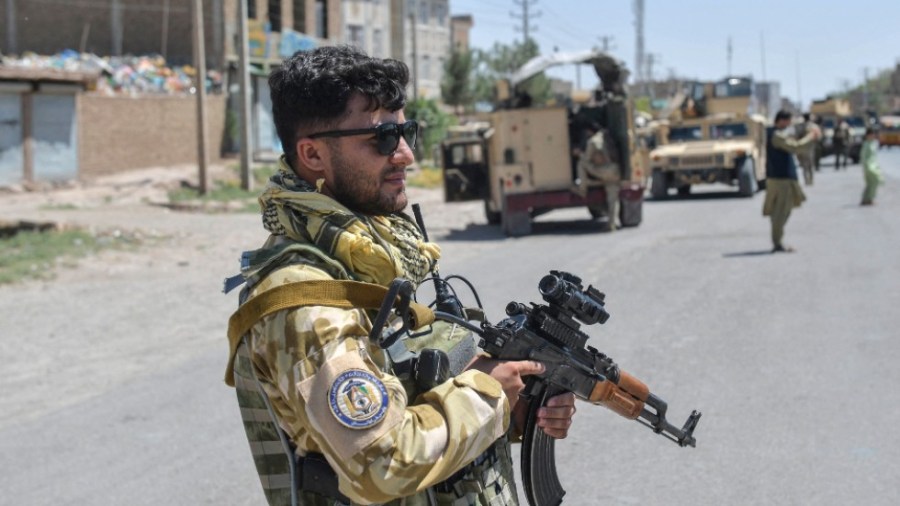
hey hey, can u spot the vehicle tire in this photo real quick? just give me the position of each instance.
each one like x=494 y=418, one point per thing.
x=516 y=224
x=747 y=179
x=631 y=212
x=684 y=191
x=659 y=188
x=493 y=217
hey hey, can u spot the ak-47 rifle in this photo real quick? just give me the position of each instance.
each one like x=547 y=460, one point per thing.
x=550 y=334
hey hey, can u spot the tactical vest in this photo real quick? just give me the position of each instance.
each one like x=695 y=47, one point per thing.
x=288 y=479
x=780 y=164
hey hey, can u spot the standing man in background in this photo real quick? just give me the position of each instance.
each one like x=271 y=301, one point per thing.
x=841 y=141
x=807 y=158
x=783 y=192
x=600 y=162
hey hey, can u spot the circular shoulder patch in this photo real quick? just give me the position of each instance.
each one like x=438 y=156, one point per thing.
x=358 y=399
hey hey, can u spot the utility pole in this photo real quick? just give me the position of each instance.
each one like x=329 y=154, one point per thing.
x=244 y=86
x=11 y=46
x=415 y=57
x=799 y=90
x=115 y=17
x=164 y=43
x=652 y=59
x=638 y=6
x=865 y=89
x=606 y=39
x=526 y=16
x=200 y=85
x=729 y=56
x=762 y=45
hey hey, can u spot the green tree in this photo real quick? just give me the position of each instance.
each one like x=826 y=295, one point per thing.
x=433 y=123
x=500 y=62
x=457 y=87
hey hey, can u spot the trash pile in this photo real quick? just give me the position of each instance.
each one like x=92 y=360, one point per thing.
x=122 y=75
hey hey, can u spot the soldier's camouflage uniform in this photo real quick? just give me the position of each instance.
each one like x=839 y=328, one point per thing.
x=418 y=439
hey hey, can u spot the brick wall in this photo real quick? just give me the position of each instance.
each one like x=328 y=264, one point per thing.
x=117 y=134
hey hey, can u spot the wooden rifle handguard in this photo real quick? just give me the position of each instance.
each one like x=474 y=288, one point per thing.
x=627 y=398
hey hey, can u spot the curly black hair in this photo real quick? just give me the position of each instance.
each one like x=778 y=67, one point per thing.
x=310 y=90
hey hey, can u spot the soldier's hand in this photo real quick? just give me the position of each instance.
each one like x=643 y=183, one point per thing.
x=508 y=373
x=556 y=417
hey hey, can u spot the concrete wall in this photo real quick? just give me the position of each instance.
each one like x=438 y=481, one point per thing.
x=124 y=133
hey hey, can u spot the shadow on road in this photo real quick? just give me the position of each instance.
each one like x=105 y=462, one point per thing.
x=713 y=195
x=484 y=232
x=747 y=253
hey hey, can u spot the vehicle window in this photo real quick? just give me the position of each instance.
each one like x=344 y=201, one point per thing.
x=828 y=122
x=685 y=134
x=728 y=131
x=856 y=122
x=465 y=154
x=734 y=87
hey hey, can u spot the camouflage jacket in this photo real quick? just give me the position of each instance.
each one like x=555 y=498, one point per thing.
x=335 y=393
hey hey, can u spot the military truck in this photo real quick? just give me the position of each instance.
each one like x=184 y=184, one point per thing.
x=519 y=158
x=711 y=136
x=831 y=111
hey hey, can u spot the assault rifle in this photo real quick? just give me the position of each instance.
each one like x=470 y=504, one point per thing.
x=551 y=334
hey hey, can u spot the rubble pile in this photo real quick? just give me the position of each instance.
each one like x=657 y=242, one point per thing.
x=128 y=75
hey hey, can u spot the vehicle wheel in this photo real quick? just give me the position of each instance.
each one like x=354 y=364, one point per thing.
x=493 y=217
x=516 y=224
x=631 y=212
x=685 y=190
x=658 y=185
x=747 y=179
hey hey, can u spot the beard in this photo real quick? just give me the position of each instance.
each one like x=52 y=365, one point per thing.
x=366 y=194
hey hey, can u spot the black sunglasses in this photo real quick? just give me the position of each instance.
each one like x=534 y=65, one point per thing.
x=387 y=135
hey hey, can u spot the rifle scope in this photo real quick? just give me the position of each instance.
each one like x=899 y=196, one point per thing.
x=564 y=291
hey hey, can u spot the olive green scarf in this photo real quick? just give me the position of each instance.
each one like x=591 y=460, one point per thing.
x=374 y=249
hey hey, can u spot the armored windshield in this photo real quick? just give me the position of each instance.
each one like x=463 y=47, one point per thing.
x=728 y=131
x=686 y=134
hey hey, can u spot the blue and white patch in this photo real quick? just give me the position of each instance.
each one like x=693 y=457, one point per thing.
x=358 y=399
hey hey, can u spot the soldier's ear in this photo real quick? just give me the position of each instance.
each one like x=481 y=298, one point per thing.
x=312 y=155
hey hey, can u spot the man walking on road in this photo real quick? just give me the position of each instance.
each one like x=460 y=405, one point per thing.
x=783 y=192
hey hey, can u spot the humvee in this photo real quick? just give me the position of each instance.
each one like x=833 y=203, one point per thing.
x=519 y=158
x=711 y=137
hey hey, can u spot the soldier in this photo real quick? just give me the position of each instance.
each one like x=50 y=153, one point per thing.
x=600 y=162
x=362 y=430
x=808 y=156
x=783 y=192
x=841 y=142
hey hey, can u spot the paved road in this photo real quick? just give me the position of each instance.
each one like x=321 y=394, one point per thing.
x=112 y=374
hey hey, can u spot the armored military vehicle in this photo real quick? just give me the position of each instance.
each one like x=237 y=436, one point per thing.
x=519 y=158
x=711 y=136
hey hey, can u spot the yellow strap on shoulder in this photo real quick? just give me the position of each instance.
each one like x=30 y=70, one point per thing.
x=333 y=293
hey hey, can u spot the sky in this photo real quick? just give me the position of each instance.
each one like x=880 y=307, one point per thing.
x=812 y=47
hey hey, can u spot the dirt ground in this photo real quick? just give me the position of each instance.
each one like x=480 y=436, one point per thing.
x=121 y=314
